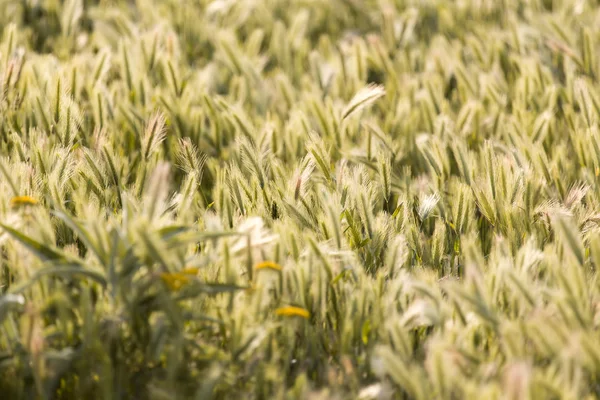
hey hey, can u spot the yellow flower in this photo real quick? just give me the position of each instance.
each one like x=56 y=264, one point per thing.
x=190 y=271
x=292 y=311
x=177 y=280
x=268 y=265
x=19 y=201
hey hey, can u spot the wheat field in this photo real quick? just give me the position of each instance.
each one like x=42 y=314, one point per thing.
x=299 y=199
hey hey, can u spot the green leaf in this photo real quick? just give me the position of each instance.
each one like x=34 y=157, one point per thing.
x=196 y=288
x=43 y=252
x=10 y=302
x=64 y=271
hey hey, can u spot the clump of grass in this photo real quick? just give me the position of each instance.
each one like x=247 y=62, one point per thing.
x=291 y=199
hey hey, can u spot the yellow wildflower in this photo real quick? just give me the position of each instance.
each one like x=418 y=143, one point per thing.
x=177 y=280
x=19 y=201
x=268 y=265
x=190 y=271
x=292 y=311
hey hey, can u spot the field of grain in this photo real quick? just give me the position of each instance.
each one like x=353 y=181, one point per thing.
x=299 y=199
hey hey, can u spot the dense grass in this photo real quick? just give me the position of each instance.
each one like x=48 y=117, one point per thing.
x=299 y=199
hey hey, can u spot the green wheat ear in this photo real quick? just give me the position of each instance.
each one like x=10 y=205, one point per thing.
x=362 y=99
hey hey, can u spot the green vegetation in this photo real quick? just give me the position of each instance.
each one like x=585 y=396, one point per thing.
x=324 y=199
